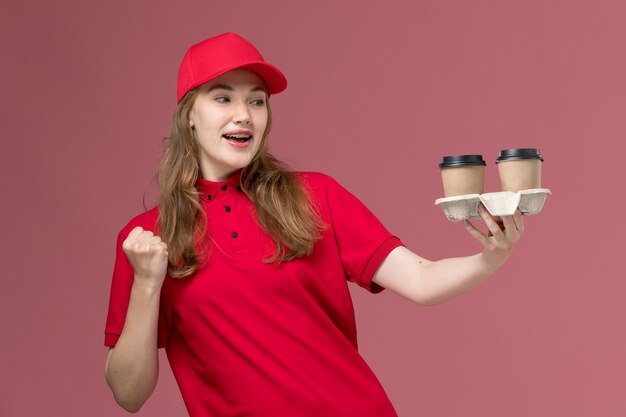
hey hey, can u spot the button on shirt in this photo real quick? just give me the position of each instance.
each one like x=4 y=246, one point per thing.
x=223 y=203
x=245 y=337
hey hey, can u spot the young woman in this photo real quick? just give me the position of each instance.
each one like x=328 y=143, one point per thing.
x=241 y=271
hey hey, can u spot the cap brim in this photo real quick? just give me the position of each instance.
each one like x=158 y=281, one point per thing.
x=274 y=79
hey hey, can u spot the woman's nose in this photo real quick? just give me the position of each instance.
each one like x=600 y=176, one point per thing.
x=242 y=113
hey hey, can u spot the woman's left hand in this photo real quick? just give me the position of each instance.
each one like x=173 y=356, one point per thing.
x=504 y=232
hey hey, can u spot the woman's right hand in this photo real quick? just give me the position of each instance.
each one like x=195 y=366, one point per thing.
x=132 y=367
x=148 y=255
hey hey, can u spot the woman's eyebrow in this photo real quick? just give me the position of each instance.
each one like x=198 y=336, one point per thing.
x=221 y=87
x=229 y=88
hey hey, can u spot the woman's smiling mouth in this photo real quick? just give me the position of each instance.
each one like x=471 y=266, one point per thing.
x=239 y=138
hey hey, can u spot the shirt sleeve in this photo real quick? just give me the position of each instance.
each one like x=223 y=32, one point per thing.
x=121 y=284
x=362 y=240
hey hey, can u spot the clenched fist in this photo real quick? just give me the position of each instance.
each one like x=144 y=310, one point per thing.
x=147 y=254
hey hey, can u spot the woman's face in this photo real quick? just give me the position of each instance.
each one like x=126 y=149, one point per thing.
x=229 y=117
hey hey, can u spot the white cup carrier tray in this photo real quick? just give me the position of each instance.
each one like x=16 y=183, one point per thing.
x=503 y=203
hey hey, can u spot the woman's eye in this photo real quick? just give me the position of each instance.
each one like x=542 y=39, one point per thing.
x=222 y=99
x=259 y=102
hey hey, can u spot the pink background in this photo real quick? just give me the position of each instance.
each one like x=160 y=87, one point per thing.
x=377 y=94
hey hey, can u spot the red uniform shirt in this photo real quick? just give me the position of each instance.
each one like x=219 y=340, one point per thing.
x=245 y=338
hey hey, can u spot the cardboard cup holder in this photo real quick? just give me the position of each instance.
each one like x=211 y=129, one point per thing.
x=503 y=203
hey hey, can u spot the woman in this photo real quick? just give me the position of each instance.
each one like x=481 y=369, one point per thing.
x=240 y=272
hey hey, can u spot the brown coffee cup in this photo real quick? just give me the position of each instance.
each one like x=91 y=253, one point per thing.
x=462 y=174
x=519 y=169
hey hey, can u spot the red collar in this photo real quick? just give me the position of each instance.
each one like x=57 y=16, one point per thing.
x=210 y=190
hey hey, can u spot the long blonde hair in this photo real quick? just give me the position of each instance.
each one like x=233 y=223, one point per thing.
x=282 y=204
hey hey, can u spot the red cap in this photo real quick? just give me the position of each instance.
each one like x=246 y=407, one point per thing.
x=215 y=56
